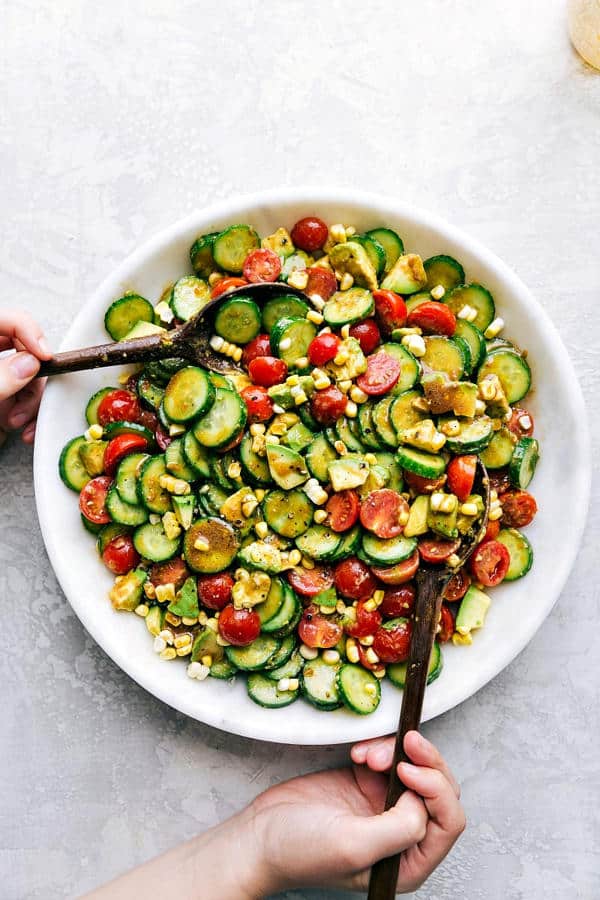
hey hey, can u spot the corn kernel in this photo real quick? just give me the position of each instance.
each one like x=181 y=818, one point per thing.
x=301 y=362
x=438 y=291
x=357 y=395
x=344 y=385
x=182 y=640
x=379 y=672
x=307 y=562
x=308 y=652
x=300 y=398
x=320 y=516
x=372 y=656
x=257 y=428
x=351 y=613
x=201 y=543
x=222 y=642
x=469 y=509
x=202 y=619
x=351 y=409
x=197 y=671
x=524 y=423
x=479 y=407
x=367 y=641
x=340 y=607
x=494 y=328
x=341 y=357
x=248 y=507
x=214 y=278
x=495 y=514
x=371 y=459
x=175 y=430
x=370 y=605
x=468 y=313
x=449 y=503
x=237 y=354
x=337 y=233
x=165 y=593
x=217 y=343
x=315 y=317
x=159 y=644
x=345 y=331
x=415 y=344
x=189 y=620
x=298 y=279
x=168 y=653
x=316 y=300
x=352 y=651
x=327 y=610
x=294 y=557
x=462 y=640
x=94 y=433
x=261 y=529
x=142 y=610
x=453 y=560
x=149 y=590
x=331 y=657
x=370 y=689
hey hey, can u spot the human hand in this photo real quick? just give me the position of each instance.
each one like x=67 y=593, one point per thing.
x=19 y=400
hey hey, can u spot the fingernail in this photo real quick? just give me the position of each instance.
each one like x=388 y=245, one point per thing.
x=44 y=346
x=17 y=420
x=24 y=365
x=408 y=768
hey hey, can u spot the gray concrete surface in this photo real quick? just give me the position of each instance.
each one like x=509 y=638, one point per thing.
x=118 y=118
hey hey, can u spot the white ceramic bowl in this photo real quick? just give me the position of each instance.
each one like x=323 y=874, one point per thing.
x=561 y=483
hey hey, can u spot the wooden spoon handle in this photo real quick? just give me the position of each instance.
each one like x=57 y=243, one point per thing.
x=140 y=349
x=430 y=584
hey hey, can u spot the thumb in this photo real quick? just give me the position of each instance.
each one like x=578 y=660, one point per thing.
x=16 y=371
x=392 y=831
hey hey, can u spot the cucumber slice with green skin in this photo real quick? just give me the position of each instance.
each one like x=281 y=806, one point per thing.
x=499 y=451
x=345 y=434
x=366 y=427
x=286 y=307
x=255 y=656
x=392 y=244
x=348 y=307
x=238 y=320
x=387 y=551
x=352 y=681
x=152 y=543
x=478 y=297
x=428 y=465
x=189 y=394
x=442 y=354
x=512 y=370
x=169 y=366
x=152 y=394
x=413 y=301
x=287 y=617
x=409 y=366
x=475 y=340
x=223 y=421
x=298 y=332
x=70 y=466
x=223 y=670
x=287 y=645
x=114 y=429
x=396 y=672
x=318 y=456
x=319 y=542
x=474 y=436
x=219 y=474
x=125 y=312
x=273 y=605
x=155 y=372
x=465 y=349
x=288 y=513
x=223 y=546
x=286 y=466
x=444 y=270
x=307 y=418
x=265 y=692
x=389 y=462
x=211 y=498
x=231 y=247
x=124 y=513
x=91 y=526
x=289 y=669
x=348 y=545
x=108 y=533
x=221 y=381
x=520 y=550
x=150 y=494
x=91 y=410
x=126 y=477
x=381 y=421
x=523 y=462
x=201 y=255
x=319 y=684
x=375 y=252
x=255 y=467
x=176 y=462
x=403 y=414
x=188 y=296
x=195 y=455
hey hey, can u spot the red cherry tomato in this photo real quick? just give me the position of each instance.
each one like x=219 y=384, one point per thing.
x=119 y=406
x=354 y=579
x=400 y=573
x=390 y=310
x=342 y=509
x=234 y=442
x=518 y=509
x=262 y=265
x=492 y=531
x=366 y=622
x=309 y=234
x=458 y=586
x=437 y=551
x=392 y=640
x=365 y=661
x=433 y=318
x=226 y=284
x=92 y=500
x=461 y=475
x=489 y=563
x=214 y=591
x=258 y=346
x=267 y=370
x=163 y=438
x=383 y=371
x=521 y=422
x=316 y=630
x=367 y=334
x=148 y=419
x=328 y=405
x=120 y=555
x=382 y=511
x=500 y=481
x=310 y=582
x=173 y=571
x=446 y=624
x=258 y=403
x=239 y=626
x=421 y=485
x=323 y=348
x=398 y=601
x=321 y=281
x=120 y=447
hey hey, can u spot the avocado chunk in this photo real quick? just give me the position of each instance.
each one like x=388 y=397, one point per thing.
x=443 y=523
x=465 y=523
x=183 y=507
x=282 y=393
x=348 y=472
x=143 y=329
x=232 y=507
x=417 y=517
x=298 y=437
x=354 y=366
x=126 y=593
x=473 y=610
x=92 y=456
x=186 y=601
x=279 y=242
x=264 y=556
x=155 y=620
x=286 y=466
x=205 y=644
x=351 y=257
x=378 y=477
x=407 y=275
x=445 y=395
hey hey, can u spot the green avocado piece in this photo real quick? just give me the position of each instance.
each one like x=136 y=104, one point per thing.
x=298 y=437
x=417 y=517
x=287 y=467
x=282 y=393
x=407 y=275
x=183 y=507
x=92 y=456
x=352 y=257
x=186 y=601
x=443 y=523
x=473 y=610
x=126 y=594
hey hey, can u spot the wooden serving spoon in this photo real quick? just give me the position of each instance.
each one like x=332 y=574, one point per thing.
x=189 y=341
x=431 y=583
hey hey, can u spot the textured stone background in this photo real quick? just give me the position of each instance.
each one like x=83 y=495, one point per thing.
x=115 y=120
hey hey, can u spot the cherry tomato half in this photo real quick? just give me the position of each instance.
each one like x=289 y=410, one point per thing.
x=163 y=438
x=489 y=563
x=258 y=403
x=328 y=405
x=342 y=510
x=258 y=346
x=226 y=284
x=461 y=475
x=148 y=419
x=521 y=422
x=381 y=512
x=321 y=281
x=173 y=571
x=390 y=310
x=500 y=481
x=398 y=601
x=364 y=659
x=458 y=586
x=446 y=624
x=214 y=591
x=262 y=265
x=366 y=621
x=119 y=406
x=317 y=630
x=354 y=579
x=120 y=447
x=310 y=582
x=323 y=348
x=421 y=485
x=92 y=500
x=437 y=551
x=492 y=531
x=400 y=573
x=433 y=318
x=239 y=626
x=267 y=370
x=120 y=555
x=392 y=640
x=309 y=234
x=367 y=334
x=383 y=371
x=518 y=509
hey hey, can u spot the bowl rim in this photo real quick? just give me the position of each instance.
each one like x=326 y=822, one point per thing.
x=322 y=197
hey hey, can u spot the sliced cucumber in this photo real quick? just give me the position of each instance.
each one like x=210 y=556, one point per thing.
x=381 y=420
x=473 y=437
x=387 y=552
x=149 y=392
x=201 y=255
x=411 y=303
x=188 y=296
x=152 y=543
x=286 y=617
x=276 y=598
x=176 y=462
x=189 y=394
x=70 y=465
x=286 y=307
x=124 y=513
x=366 y=427
x=265 y=692
x=291 y=337
x=238 y=320
x=512 y=371
x=428 y=465
x=318 y=456
x=255 y=655
x=255 y=467
x=218 y=473
x=348 y=545
x=403 y=414
x=223 y=421
x=319 y=542
x=389 y=462
x=465 y=349
x=223 y=670
x=409 y=366
x=92 y=527
x=126 y=477
x=291 y=668
x=348 y=307
x=359 y=689
x=223 y=545
x=125 y=312
x=231 y=247
x=91 y=410
x=520 y=550
x=499 y=451
x=108 y=533
x=444 y=270
x=319 y=684
x=392 y=244
x=211 y=498
x=442 y=354
x=397 y=671
x=479 y=298
x=475 y=340
x=114 y=429
x=195 y=455
x=375 y=252
x=288 y=513
x=344 y=433
x=523 y=462
x=150 y=493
